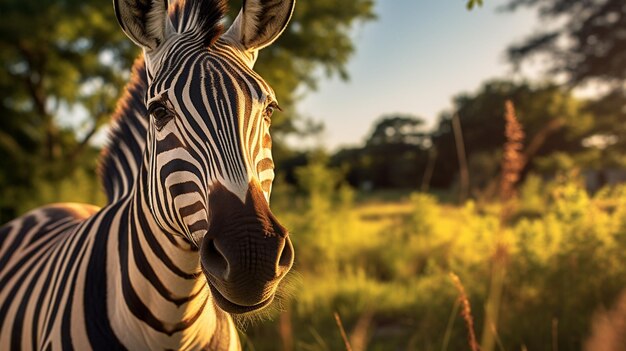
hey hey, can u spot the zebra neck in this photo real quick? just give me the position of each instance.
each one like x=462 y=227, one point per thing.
x=158 y=297
x=120 y=160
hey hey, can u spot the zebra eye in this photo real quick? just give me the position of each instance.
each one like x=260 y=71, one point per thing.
x=269 y=110
x=161 y=114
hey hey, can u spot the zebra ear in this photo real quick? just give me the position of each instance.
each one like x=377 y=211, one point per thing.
x=143 y=21
x=260 y=23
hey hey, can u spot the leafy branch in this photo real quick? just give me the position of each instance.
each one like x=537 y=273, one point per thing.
x=473 y=3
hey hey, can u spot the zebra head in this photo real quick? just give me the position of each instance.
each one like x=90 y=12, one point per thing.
x=208 y=151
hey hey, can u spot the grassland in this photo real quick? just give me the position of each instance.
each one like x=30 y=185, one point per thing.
x=545 y=277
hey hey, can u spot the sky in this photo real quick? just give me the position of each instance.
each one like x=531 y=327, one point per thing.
x=413 y=59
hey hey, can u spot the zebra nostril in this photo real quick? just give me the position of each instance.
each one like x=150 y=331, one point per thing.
x=215 y=262
x=285 y=261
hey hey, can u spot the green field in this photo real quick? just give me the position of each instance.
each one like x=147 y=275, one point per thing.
x=549 y=273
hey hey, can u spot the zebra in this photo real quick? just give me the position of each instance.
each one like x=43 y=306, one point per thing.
x=187 y=239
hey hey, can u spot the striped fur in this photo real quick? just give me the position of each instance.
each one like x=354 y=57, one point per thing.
x=121 y=158
x=187 y=237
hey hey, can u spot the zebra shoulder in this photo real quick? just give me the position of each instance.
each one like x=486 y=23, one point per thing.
x=41 y=224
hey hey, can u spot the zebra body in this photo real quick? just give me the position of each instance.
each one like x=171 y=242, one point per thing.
x=187 y=237
x=83 y=305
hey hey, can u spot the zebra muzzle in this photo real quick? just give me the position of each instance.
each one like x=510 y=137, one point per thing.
x=246 y=252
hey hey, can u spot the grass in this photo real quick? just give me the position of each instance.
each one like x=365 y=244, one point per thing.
x=466 y=312
x=389 y=260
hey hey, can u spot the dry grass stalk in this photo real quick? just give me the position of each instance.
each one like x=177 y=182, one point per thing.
x=286 y=330
x=448 y=333
x=462 y=156
x=466 y=312
x=360 y=334
x=608 y=328
x=513 y=162
x=343 y=332
x=555 y=334
x=513 y=159
x=492 y=307
x=494 y=331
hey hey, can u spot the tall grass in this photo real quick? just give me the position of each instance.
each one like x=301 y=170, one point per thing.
x=513 y=163
x=608 y=331
x=466 y=312
x=513 y=160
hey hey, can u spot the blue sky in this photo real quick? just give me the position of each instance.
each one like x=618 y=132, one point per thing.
x=413 y=59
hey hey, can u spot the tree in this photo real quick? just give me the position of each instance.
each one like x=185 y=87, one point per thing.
x=588 y=45
x=398 y=129
x=57 y=58
x=552 y=118
x=66 y=58
x=394 y=155
x=584 y=41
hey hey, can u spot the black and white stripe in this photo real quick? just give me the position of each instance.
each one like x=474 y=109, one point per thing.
x=187 y=237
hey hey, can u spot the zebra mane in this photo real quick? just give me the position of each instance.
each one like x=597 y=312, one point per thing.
x=202 y=17
x=121 y=158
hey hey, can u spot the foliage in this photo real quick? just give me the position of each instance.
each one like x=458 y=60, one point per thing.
x=327 y=197
x=391 y=261
x=473 y=3
x=586 y=44
x=583 y=41
x=393 y=155
x=399 y=153
x=58 y=59
x=552 y=118
x=79 y=186
x=398 y=129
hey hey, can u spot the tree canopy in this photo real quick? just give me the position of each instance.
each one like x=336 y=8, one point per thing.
x=58 y=59
x=393 y=156
x=401 y=153
x=587 y=43
x=552 y=118
x=398 y=129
